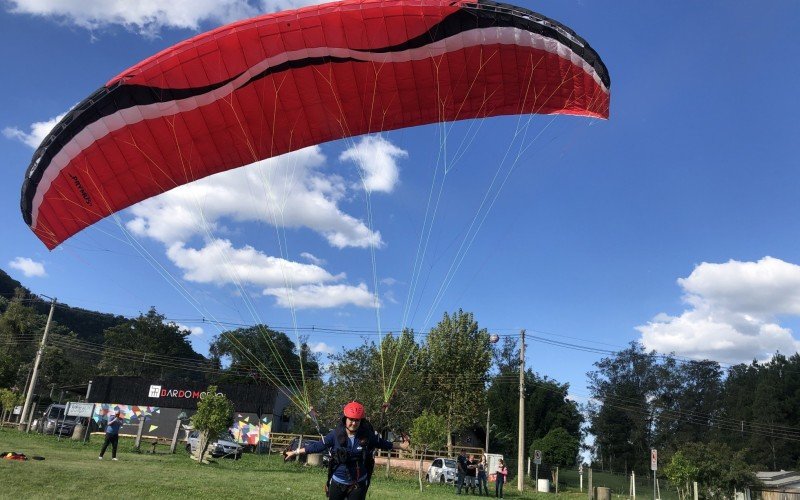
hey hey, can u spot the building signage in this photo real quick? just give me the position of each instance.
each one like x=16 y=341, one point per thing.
x=255 y=398
x=80 y=409
x=160 y=391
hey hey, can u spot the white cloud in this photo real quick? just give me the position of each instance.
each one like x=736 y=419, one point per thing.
x=29 y=267
x=322 y=296
x=39 y=131
x=194 y=330
x=377 y=159
x=218 y=262
x=147 y=18
x=288 y=191
x=293 y=284
x=312 y=258
x=322 y=347
x=389 y=281
x=733 y=314
x=389 y=296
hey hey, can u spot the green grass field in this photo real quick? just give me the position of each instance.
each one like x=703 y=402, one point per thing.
x=71 y=470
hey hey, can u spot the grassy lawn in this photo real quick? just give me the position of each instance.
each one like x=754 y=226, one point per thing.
x=619 y=484
x=71 y=470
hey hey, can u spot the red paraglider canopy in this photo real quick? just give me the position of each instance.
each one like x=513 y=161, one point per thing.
x=280 y=82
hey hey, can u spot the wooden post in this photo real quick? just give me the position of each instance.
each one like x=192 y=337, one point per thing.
x=29 y=396
x=556 y=480
x=174 y=443
x=590 y=488
x=139 y=433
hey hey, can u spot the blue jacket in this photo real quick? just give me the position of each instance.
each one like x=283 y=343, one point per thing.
x=113 y=425
x=354 y=469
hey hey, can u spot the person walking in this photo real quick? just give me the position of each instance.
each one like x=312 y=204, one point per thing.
x=500 y=478
x=482 y=483
x=115 y=421
x=352 y=445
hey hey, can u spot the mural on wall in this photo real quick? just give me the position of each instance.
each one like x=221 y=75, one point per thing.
x=131 y=414
x=160 y=422
x=247 y=429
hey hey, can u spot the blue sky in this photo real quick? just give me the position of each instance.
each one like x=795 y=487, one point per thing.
x=675 y=222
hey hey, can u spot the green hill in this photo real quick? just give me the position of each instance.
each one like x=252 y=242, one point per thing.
x=88 y=325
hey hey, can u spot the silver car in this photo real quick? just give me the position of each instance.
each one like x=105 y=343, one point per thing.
x=54 y=422
x=224 y=446
x=442 y=470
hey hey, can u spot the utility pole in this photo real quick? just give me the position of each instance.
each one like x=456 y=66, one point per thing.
x=39 y=353
x=521 y=430
x=488 y=412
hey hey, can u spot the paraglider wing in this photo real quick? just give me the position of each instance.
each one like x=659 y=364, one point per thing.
x=280 y=82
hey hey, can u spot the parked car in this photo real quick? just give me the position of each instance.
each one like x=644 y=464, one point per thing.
x=224 y=446
x=442 y=470
x=53 y=421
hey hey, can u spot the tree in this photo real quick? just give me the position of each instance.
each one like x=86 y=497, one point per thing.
x=8 y=400
x=259 y=353
x=547 y=405
x=157 y=341
x=428 y=431
x=623 y=420
x=20 y=328
x=455 y=363
x=362 y=374
x=720 y=470
x=558 y=447
x=214 y=415
x=681 y=472
x=761 y=399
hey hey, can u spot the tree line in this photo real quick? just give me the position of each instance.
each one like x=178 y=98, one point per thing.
x=644 y=400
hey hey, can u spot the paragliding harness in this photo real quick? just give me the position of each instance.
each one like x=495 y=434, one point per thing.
x=12 y=455
x=339 y=455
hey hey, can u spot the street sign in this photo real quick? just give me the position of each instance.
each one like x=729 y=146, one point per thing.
x=580 y=468
x=80 y=409
x=654 y=459
x=17 y=410
x=537 y=457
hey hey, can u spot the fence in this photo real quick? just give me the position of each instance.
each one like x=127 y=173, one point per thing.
x=569 y=479
x=280 y=441
x=406 y=459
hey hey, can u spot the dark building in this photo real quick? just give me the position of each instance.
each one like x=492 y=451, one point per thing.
x=258 y=409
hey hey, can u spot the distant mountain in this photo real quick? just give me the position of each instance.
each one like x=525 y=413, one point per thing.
x=88 y=325
x=8 y=285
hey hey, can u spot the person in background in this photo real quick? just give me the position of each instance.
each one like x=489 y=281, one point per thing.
x=461 y=469
x=472 y=469
x=482 y=483
x=502 y=474
x=112 y=435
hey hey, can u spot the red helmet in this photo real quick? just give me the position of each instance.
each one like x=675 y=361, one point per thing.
x=354 y=410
